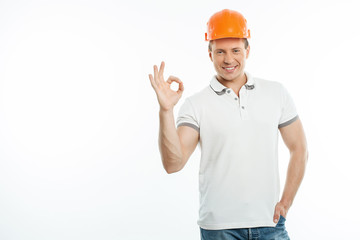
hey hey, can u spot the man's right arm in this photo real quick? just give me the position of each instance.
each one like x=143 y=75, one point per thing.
x=176 y=145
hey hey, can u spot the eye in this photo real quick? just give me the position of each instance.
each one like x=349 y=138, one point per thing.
x=219 y=52
x=236 y=50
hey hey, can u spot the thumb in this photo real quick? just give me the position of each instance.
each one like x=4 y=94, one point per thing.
x=276 y=215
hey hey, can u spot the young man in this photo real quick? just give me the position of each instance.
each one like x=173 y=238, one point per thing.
x=235 y=120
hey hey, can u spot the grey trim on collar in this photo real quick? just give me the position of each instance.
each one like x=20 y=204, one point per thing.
x=249 y=87
x=219 y=93
x=288 y=122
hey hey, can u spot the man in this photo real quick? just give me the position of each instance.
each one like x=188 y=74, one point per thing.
x=235 y=120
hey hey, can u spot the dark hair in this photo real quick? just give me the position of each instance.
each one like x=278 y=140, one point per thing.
x=246 y=43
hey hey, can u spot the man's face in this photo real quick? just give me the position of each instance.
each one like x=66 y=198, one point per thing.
x=229 y=57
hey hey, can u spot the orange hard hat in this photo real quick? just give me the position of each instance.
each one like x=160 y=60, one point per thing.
x=227 y=24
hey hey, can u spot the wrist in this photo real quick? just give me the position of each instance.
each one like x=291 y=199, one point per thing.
x=163 y=110
x=286 y=202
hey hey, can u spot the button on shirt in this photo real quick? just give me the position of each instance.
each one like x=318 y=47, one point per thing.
x=240 y=101
x=238 y=175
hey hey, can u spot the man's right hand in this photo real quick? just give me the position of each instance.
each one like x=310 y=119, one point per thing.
x=167 y=98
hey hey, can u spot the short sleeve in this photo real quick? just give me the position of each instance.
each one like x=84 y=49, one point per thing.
x=288 y=108
x=187 y=116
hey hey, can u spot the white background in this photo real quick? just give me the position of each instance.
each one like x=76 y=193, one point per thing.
x=79 y=123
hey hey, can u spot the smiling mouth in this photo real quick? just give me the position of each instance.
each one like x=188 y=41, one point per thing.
x=230 y=69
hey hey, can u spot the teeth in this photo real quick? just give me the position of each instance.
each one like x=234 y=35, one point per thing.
x=230 y=68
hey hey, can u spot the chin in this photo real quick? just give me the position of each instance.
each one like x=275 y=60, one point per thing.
x=227 y=78
x=230 y=77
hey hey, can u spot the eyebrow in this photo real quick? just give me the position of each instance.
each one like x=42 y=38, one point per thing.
x=224 y=49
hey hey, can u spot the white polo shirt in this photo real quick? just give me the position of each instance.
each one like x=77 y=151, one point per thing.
x=238 y=175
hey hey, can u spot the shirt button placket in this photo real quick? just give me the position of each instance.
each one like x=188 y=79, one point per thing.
x=243 y=103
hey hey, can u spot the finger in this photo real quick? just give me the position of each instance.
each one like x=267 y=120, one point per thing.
x=173 y=78
x=156 y=75
x=176 y=79
x=162 y=66
x=153 y=83
x=276 y=215
x=181 y=88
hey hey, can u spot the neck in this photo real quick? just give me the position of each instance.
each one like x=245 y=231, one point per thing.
x=235 y=84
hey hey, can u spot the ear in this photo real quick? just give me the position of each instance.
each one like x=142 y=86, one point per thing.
x=247 y=51
x=210 y=56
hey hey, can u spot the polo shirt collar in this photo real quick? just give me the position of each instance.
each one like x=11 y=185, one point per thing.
x=220 y=89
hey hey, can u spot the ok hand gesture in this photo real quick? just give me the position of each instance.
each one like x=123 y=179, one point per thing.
x=167 y=98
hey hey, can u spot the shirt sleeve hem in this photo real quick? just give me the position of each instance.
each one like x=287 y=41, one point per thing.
x=288 y=122
x=189 y=125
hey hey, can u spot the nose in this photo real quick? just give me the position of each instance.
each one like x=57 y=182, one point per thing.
x=228 y=59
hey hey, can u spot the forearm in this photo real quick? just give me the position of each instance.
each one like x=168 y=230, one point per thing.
x=169 y=141
x=295 y=174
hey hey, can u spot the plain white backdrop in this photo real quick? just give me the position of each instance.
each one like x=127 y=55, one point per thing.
x=79 y=123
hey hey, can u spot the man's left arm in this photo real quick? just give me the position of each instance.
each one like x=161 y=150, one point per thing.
x=294 y=138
